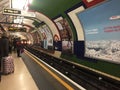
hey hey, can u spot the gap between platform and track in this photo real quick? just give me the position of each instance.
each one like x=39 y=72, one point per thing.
x=53 y=74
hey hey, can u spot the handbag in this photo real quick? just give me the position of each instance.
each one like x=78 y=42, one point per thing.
x=22 y=50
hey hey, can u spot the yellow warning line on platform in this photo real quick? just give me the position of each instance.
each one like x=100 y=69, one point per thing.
x=49 y=71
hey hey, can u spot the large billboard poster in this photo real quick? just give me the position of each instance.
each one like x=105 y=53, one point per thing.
x=66 y=35
x=101 y=25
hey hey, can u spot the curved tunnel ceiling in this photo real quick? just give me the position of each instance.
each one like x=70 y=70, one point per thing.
x=52 y=8
x=43 y=11
x=44 y=8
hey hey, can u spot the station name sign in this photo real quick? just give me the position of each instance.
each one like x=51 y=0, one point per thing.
x=16 y=12
x=12 y=11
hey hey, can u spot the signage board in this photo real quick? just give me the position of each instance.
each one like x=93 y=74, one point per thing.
x=22 y=13
x=11 y=11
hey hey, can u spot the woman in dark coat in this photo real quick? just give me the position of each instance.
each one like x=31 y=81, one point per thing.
x=19 y=47
x=4 y=45
x=4 y=48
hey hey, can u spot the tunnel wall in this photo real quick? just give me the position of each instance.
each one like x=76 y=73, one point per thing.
x=79 y=43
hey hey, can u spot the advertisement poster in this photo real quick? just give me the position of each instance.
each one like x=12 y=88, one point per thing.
x=101 y=25
x=64 y=29
x=46 y=34
x=49 y=36
x=66 y=35
x=35 y=35
x=67 y=47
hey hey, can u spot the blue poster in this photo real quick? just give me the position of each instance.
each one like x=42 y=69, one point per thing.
x=101 y=25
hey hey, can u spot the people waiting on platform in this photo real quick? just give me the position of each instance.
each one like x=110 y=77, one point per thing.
x=10 y=44
x=4 y=45
x=19 y=47
x=4 y=48
x=14 y=44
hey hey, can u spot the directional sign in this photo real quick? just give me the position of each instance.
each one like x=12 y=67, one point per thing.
x=16 y=12
x=12 y=11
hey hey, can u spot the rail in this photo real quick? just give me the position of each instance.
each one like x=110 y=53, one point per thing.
x=86 y=78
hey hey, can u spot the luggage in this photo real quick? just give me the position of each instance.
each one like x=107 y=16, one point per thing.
x=8 y=65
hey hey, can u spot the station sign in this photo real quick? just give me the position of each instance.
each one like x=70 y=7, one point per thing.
x=16 y=12
x=16 y=29
x=11 y=12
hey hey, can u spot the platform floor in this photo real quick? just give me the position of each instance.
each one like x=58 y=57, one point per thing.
x=21 y=79
x=32 y=74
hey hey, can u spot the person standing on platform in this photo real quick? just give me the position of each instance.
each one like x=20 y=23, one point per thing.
x=4 y=45
x=18 y=47
x=14 y=44
x=10 y=44
x=4 y=48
